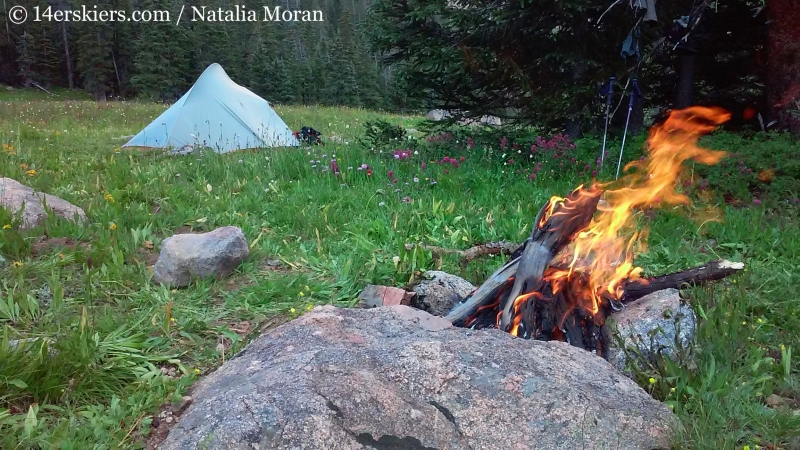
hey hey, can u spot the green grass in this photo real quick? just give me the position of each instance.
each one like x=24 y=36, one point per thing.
x=111 y=330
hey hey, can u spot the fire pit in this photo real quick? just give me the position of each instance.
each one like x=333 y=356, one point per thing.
x=577 y=267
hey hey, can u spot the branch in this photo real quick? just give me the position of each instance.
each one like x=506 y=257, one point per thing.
x=489 y=248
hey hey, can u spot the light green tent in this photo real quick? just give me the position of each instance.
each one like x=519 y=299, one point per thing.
x=217 y=113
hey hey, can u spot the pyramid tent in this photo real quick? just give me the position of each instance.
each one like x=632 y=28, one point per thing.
x=217 y=113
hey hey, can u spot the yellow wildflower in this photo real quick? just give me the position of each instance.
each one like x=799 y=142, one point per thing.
x=652 y=380
x=31 y=172
x=7 y=226
x=302 y=294
x=24 y=166
x=197 y=371
x=17 y=264
x=292 y=310
x=746 y=447
x=113 y=226
x=308 y=288
x=109 y=198
x=672 y=389
x=116 y=150
x=309 y=307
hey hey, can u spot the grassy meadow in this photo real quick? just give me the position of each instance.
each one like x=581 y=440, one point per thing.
x=106 y=348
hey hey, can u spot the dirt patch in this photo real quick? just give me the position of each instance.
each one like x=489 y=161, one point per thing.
x=45 y=245
x=147 y=257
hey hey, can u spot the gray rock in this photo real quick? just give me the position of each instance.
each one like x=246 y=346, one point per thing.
x=441 y=114
x=437 y=115
x=14 y=195
x=658 y=323
x=184 y=257
x=398 y=378
x=439 y=291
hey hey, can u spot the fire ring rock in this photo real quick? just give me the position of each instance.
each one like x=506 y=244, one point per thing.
x=656 y=324
x=396 y=377
x=15 y=196
x=185 y=257
x=439 y=291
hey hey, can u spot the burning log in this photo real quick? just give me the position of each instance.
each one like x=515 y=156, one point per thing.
x=533 y=297
x=713 y=271
x=555 y=225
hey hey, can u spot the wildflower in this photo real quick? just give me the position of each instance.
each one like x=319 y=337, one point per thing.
x=416 y=180
x=309 y=307
x=7 y=226
x=462 y=159
x=302 y=294
x=391 y=174
x=197 y=371
x=307 y=288
x=672 y=389
x=381 y=204
x=113 y=226
x=116 y=150
x=422 y=166
x=109 y=198
x=652 y=380
x=756 y=201
x=292 y=311
x=406 y=199
x=17 y=264
x=31 y=172
x=433 y=182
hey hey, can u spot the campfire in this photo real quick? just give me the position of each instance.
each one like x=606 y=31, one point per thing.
x=577 y=267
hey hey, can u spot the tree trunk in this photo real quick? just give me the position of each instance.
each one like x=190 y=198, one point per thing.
x=683 y=90
x=636 y=123
x=783 y=63
x=70 y=76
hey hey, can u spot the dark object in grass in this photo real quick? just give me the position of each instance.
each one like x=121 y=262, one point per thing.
x=309 y=136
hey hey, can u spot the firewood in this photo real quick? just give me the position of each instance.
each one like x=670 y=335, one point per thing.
x=485 y=294
x=549 y=236
x=713 y=271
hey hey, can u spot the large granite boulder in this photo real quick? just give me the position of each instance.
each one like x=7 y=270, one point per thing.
x=184 y=257
x=15 y=195
x=398 y=378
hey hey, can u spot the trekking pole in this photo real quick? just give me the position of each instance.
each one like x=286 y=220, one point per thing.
x=607 y=91
x=634 y=93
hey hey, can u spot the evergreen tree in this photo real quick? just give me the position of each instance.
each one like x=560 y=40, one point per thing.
x=161 y=67
x=25 y=58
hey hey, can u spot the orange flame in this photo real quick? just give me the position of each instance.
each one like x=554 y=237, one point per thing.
x=605 y=249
